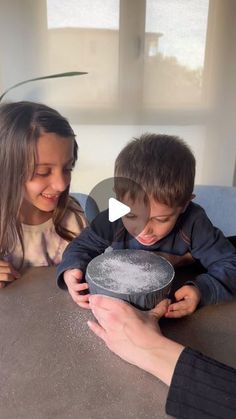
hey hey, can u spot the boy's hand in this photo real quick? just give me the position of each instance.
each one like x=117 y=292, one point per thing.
x=188 y=297
x=73 y=278
x=7 y=273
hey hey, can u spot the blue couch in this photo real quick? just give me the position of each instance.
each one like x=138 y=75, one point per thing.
x=219 y=203
x=88 y=204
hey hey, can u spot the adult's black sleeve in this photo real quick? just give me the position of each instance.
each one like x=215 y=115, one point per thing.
x=201 y=388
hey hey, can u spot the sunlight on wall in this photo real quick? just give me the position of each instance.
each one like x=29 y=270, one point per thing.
x=99 y=145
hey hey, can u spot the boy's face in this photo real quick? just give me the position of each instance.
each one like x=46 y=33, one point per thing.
x=150 y=223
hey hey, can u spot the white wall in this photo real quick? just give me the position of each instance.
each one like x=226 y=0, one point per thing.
x=99 y=145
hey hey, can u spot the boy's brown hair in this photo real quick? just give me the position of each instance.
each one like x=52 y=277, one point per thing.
x=163 y=166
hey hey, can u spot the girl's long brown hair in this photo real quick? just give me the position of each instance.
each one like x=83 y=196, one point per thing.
x=21 y=124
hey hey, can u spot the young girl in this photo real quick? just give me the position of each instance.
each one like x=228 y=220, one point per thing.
x=37 y=216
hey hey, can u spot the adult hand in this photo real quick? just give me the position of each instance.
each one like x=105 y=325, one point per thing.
x=73 y=278
x=135 y=335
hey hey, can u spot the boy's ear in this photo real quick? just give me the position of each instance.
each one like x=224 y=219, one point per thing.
x=185 y=206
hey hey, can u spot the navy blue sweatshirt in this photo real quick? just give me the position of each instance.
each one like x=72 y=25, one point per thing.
x=193 y=232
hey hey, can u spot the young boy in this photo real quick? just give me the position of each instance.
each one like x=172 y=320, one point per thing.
x=154 y=176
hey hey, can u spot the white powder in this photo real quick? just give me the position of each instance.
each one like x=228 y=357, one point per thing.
x=129 y=271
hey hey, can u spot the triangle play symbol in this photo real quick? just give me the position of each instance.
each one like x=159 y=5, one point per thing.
x=116 y=209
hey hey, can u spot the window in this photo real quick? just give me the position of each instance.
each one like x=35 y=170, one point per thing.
x=83 y=35
x=154 y=65
x=175 y=44
x=143 y=57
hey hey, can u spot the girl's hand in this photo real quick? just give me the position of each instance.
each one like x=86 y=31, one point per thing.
x=188 y=297
x=7 y=273
x=73 y=278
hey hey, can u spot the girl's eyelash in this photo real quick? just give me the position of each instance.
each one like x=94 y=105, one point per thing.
x=67 y=170
x=42 y=174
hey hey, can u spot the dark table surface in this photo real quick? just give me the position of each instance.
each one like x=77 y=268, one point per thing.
x=52 y=366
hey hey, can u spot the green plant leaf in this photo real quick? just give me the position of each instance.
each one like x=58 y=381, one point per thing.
x=52 y=76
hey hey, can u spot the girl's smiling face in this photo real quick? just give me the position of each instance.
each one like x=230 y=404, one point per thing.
x=151 y=222
x=52 y=175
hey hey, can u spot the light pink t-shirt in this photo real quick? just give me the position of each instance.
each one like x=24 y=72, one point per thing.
x=43 y=246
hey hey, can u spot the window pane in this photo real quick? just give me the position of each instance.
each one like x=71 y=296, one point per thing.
x=83 y=14
x=83 y=35
x=175 y=40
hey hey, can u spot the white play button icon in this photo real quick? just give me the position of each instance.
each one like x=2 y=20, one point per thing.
x=116 y=209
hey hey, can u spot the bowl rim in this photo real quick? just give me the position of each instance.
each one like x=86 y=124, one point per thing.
x=140 y=292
